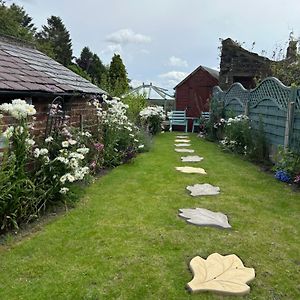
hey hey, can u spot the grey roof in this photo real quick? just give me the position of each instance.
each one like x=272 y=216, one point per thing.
x=212 y=72
x=25 y=69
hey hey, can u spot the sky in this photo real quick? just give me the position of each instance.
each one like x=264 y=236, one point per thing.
x=162 y=41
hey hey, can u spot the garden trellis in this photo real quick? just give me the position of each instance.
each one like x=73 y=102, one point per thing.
x=276 y=105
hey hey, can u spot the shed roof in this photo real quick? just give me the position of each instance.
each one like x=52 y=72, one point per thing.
x=25 y=69
x=212 y=72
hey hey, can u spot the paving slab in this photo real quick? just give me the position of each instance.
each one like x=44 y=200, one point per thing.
x=182 y=145
x=204 y=217
x=193 y=158
x=191 y=170
x=204 y=189
x=225 y=275
x=182 y=136
x=184 y=150
x=182 y=141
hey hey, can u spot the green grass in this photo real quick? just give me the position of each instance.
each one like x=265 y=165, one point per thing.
x=125 y=241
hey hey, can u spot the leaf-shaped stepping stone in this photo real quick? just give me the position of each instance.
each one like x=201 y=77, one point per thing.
x=182 y=141
x=204 y=217
x=191 y=170
x=204 y=189
x=221 y=274
x=182 y=137
x=182 y=145
x=194 y=158
x=183 y=150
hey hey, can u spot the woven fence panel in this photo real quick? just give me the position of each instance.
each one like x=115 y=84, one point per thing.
x=234 y=108
x=236 y=91
x=297 y=101
x=295 y=140
x=271 y=88
x=273 y=119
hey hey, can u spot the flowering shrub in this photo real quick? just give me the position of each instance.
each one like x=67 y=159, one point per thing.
x=152 y=117
x=282 y=176
x=288 y=162
x=237 y=135
x=119 y=135
x=18 y=201
x=35 y=174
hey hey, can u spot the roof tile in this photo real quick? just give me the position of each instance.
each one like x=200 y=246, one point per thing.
x=23 y=68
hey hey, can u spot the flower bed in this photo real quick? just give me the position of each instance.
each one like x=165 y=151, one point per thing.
x=36 y=173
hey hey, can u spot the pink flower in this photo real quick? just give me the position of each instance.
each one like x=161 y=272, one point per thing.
x=98 y=146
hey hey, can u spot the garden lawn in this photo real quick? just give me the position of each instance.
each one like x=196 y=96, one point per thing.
x=125 y=241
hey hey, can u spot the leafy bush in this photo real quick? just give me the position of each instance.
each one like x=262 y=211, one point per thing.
x=152 y=117
x=135 y=103
x=288 y=162
x=213 y=131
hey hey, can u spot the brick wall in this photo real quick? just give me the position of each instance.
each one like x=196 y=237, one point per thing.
x=81 y=114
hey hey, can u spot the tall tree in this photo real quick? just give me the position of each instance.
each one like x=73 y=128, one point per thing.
x=85 y=59
x=92 y=65
x=14 y=21
x=55 y=40
x=118 y=80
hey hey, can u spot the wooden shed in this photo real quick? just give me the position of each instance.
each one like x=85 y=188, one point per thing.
x=28 y=74
x=193 y=92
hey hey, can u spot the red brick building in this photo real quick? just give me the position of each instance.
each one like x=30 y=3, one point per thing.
x=26 y=73
x=193 y=92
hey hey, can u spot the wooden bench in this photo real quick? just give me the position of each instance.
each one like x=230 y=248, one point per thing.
x=178 y=117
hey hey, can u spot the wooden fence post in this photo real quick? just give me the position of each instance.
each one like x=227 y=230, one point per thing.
x=289 y=124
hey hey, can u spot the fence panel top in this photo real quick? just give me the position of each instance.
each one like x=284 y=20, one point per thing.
x=273 y=89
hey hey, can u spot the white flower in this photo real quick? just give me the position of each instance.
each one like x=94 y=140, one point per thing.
x=19 y=129
x=36 y=152
x=141 y=146
x=84 y=150
x=62 y=159
x=65 y=144
x=30 y=142
x=67 y=177
x=136 y=140
x=72 y=142
x=76 y=155
x=44 y=151
x=49 y=139
x=64 y=190
x=18 y=109
x=9 y=132
x=73 y=163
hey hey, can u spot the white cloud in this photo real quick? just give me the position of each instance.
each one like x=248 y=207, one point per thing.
x=173 y=75
x=172 y=78
x=127 y=36
x=177 y=62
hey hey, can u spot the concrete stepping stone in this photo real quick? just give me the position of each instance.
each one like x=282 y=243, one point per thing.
x=184 y=150
x=191 y=170
x=194 y=158
x=204 y=217
x=224 y=275
x=182 y=136
x=204 y=189
x=182 y=145
x=182 y=141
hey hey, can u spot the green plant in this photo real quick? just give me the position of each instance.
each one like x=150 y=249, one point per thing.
x=288 y=161
x=214 y=132
x=135 y=103
x=152 y=117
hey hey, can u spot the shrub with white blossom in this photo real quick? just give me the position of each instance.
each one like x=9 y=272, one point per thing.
x=152 y=117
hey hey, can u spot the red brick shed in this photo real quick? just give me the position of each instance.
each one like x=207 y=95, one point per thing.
x=193 y=92
x=28 y=74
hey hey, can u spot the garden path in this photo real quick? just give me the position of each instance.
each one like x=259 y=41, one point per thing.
x=226 y=276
